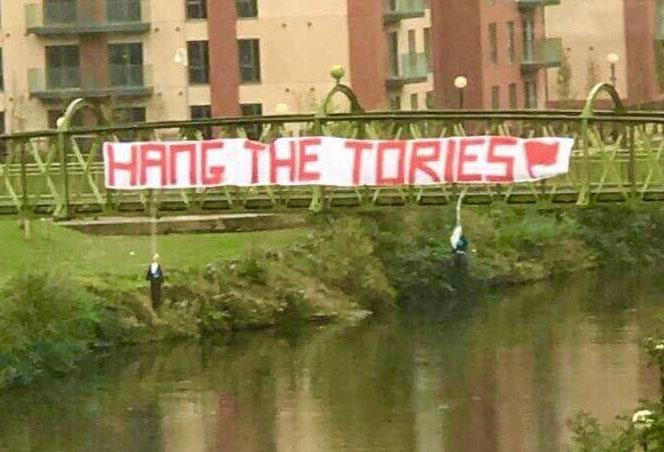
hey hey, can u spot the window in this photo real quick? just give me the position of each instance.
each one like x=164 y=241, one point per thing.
x=427 y=48
x=512 y=95
x=411 y=42
x=530 y=88
x=246 y=8
x=250 y=67
x=199 y=62
x=493 y=43
x=254 y=131
x=660 y=18
x=528 y=38
x=495 y=97
x=125 y=64
x=2 y=72
x=202 y=112
x=196 y=9
x=393 y=54
x=59 y=11
x=123 y=10
x=3 y=130
x=414 y=102
x=62 y=67
x=53 y=115
x=395 y=102
x=129 y=115
x=510 y=42
x=431 y=100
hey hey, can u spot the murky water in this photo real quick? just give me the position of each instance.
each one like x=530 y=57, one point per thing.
x=501 y=373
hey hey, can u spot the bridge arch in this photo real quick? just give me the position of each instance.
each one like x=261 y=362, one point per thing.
x=338 y=73
x=65 y=121
x=603 y=87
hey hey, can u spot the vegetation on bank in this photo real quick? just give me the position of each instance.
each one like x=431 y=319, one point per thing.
x=641 y=429
x=512 y=245
x=344 y=265
x=50 y=320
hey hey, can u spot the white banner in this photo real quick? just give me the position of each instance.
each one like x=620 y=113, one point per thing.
x=334 y=162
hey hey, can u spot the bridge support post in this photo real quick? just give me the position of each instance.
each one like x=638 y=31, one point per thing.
x=587 y=115
x=25 y=198
x=632 y=163
x=64 y=173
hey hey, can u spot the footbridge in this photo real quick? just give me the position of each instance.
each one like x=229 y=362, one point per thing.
x=617 y=158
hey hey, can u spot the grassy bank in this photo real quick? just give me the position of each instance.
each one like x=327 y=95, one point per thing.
x=75 y=294
x=85 y=255
x=63 y=307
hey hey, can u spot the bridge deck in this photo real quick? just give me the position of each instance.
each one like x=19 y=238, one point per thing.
x=616 y=158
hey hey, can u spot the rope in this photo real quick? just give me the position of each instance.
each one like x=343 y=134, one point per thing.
x=458 y=207
x=457 y=232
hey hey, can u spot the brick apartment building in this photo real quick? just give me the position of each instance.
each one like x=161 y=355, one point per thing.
x=500 y=46
x=609 y=40
x=161 y=60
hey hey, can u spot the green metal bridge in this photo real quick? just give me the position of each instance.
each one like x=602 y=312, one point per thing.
x=618 y=157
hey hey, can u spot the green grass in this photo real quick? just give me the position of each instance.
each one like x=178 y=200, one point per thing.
x=54 y=246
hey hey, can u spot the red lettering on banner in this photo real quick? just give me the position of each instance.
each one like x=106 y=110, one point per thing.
x=420 y=162
x=383 y=147
x=464 y=158
x=359 y=147
x=450 y=154
x=255 y=148
x=303 y=174
x=276 y=163
x=507 y=161
x=538 y=153
x=182 y=148
x=114 y=166
x=211 y=175
x=148 y=162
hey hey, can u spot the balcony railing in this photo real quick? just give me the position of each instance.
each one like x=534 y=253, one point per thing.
x=92 y=16
x=66 y=82
x=525 y=4
x=413 y=68
x=542 y=53
x=397 y=10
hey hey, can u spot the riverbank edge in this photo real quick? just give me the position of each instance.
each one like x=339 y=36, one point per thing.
x=348 y=268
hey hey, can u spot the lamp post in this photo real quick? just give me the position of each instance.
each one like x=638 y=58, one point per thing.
x=460 y=83
x=613 y=58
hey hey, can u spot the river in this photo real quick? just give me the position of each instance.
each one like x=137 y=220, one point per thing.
x=499 y=372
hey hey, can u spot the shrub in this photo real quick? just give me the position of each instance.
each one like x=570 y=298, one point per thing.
x=47 y=324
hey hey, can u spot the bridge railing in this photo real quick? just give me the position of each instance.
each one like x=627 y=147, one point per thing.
x=616 y=158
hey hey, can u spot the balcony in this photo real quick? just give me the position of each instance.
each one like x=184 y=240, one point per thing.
x=413 y=68
x=527 y=4
x=92 y=16
x=397 y=10
x=542 y=54
x=68 y=82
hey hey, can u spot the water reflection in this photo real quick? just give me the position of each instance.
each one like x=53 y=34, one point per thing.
x=500 y=373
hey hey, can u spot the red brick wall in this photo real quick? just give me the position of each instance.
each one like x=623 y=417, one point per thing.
x=368 y=52
x=224 y=60
x=640 y=32
x=457 y=50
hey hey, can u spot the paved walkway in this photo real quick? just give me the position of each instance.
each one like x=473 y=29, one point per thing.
x=238 y=222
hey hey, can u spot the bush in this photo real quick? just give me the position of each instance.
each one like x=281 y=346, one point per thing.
x=47 y=324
